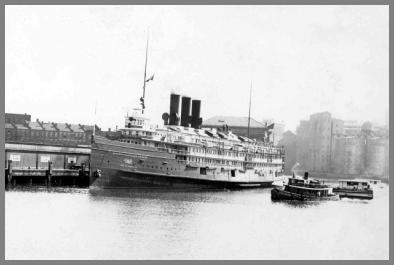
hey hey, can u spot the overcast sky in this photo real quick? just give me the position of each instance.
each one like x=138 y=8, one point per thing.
x=61 y=60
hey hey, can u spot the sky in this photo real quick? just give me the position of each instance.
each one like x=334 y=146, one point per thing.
x=85 y=64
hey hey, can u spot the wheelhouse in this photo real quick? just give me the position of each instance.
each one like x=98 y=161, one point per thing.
x=354 y=184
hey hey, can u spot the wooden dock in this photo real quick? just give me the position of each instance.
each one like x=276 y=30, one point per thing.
x=31 y=164
x=48 y=176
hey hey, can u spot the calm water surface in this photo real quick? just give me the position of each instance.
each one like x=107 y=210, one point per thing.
x=154 y=224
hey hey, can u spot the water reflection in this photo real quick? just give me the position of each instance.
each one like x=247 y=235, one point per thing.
x=184 y=224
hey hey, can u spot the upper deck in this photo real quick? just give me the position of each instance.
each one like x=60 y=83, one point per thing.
x=354 y=184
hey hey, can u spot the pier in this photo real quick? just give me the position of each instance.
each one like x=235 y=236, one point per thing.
x=32 y=164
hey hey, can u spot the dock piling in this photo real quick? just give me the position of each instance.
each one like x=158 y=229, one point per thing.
x=9 y=173
x=49 y=174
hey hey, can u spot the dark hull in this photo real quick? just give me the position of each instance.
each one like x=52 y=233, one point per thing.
x=133 y=166
x=279 y=194
x=356 y=194
x=117 y=179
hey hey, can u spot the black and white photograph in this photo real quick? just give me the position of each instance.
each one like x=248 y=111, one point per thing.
x=196 y=132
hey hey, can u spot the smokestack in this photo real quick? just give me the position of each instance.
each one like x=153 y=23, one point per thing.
x=174 y=109
x=196 y=120
x=185 y=112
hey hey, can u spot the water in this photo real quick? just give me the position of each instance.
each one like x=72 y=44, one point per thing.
x=154 y=224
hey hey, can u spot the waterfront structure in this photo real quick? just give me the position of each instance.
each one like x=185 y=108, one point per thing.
x=288 y=141
x=376 y=160
x=39 y=149
x=21 y=130
x=314 y=142
x=331 y=147
x=274 y=130
x=277 y=133
x=348 y=155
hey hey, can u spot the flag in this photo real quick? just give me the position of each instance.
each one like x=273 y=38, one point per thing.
x=150 y=78
x=271 y=126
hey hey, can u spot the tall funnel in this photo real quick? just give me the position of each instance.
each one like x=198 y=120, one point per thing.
x=185 y=112
x=174 y=109
x=196 y=120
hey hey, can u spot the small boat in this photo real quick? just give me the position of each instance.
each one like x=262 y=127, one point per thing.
x=375 y=181
x=354 y=188
x=303 y=189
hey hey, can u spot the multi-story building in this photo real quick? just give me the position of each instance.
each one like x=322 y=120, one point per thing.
x=21 y=130
x=321 y=130
x=289 y=142
x=348 y=155
x=376 y=162
x=33 y=145
x=274 y=130
x=314 y=141
x=326 y=146
x=17 y=118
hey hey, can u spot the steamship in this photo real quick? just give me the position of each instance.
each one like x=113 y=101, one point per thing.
x=173 y=155
x=181 y=155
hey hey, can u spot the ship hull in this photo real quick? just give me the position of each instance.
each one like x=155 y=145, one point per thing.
x=345 y=193
x=117 y=179
x=279 y=194
x=132 y=166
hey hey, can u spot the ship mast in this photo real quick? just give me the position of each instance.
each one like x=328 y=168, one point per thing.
x=146 y=62
x=94 y=126
x=250 y=101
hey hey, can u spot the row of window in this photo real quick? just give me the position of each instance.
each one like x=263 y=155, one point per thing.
x=269 y=152
x=235 y=154
x=157 y=167
x=269 y=157
x=194 y=139
x=137 y=133
x=46 y=134
x=223 y=162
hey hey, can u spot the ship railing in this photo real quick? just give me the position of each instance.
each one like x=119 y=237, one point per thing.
x=172 y=151
x=309 y=185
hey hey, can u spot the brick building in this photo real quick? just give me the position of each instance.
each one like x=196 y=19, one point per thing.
x=20 y=129
x=17 y=118
x=261 y=131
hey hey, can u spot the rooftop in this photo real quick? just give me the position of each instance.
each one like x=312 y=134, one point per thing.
x=48 y=126
x=232 y=121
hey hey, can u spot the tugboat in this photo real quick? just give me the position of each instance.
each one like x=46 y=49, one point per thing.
x=354 y=188
x=303 y=189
